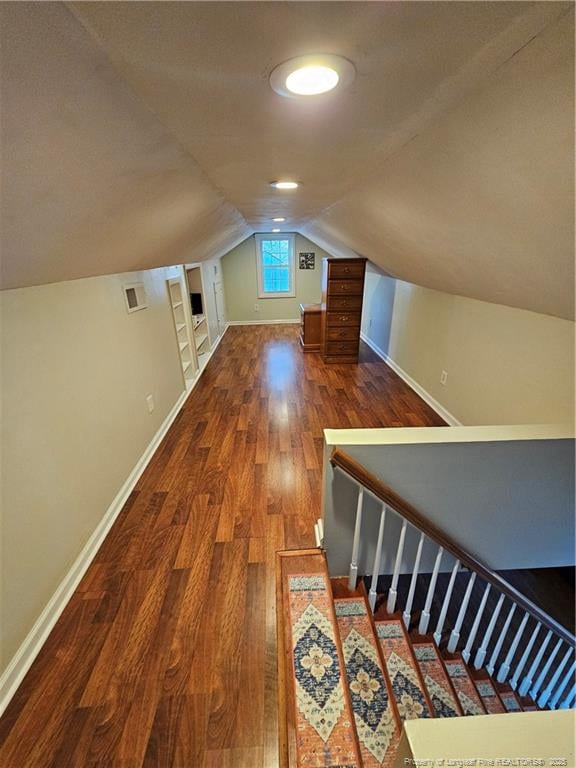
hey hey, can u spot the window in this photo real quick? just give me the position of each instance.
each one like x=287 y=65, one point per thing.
x=275 y=262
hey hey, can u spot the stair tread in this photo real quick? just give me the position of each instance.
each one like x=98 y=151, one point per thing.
x=407 y=684
x=376 y=721
x=440 y=689
x=508 y=697
x=511 y=703
x=489 y=695
x=464 y=685
x=323 y=712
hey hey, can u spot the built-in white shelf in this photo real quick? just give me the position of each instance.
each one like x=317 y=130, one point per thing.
x=198 y=320
x=183 y=329
x=201 y=339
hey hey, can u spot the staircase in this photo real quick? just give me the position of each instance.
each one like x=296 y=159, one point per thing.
x=352 y=677
x=353 y=666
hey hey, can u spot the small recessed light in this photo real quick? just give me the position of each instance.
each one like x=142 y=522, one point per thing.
x=313 y=75
x=284 y=184
x=276 y=230
x=279 y=218
x=310 y=81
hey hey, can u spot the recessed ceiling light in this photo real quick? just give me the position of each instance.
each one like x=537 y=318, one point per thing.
x=276 y=230
x=310 y=81
x=279 y=218
x=311 y=75
x=284 y=184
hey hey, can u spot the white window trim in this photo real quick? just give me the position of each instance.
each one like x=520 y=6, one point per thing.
x=281 y=294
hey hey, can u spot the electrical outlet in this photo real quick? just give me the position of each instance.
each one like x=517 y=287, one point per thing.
x=256 y=307
x=443 y=377
x=370 y=323
x=150 y=403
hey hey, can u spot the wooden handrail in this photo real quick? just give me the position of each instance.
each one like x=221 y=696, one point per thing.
x=385 y=494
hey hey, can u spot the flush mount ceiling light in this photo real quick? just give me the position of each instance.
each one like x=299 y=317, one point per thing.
x=279 y=218
x=311 y=75
x=275 y=230
x=284 y=184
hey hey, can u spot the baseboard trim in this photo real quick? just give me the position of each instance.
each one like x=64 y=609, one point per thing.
x=413 y=384
x=32 y=644
x=265 y=322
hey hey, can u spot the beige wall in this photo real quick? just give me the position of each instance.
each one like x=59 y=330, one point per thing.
x=538 y=738
x=76 y=370
x=504 y=365
x=241 y=286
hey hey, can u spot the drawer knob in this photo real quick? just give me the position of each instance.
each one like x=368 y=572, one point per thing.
x=344 y=318
x=346 y=269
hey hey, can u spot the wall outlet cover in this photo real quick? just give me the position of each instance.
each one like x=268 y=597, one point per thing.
x=150 y=403
x=443 y=377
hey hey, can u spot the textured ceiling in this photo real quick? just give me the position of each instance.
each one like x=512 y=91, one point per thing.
x=448 y=162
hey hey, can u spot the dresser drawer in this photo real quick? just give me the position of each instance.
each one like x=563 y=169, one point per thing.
x=344 y=302
x=345 y=269
x=342 y=318
x=345 y=287
x=341 y=348
x=342 y=333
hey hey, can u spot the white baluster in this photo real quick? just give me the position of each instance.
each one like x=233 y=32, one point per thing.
x=445 y=603
x=500 y=641
x=504 y=670
x=473 y=632
x=524 y=658
x=527 y=682
x=565 y=680
x=569 y=698
x=408 y=607
x=393 y=591
x=373 y=594
x=425 y=616
x=356 y=543
x=547 y=692
x=481 y=652
x=542 y=675
x=455 y=634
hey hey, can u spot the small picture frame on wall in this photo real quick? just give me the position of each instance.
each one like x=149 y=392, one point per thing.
x=307 y=260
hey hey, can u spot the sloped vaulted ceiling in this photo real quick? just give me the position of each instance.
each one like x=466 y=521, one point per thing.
x=448 y=162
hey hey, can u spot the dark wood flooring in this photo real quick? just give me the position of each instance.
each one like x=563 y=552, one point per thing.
x=166 y=654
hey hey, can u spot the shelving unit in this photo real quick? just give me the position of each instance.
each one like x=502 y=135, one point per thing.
x=187 y=359
x=200 y=328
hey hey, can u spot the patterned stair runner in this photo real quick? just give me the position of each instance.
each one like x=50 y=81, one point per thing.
x=376 y=725
x=489 y=696
x=403 y=671
x=440 y=690
x=469 y=698
x=325 y=735
x=511 y=703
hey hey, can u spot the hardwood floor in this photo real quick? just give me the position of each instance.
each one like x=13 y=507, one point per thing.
x=166 y=654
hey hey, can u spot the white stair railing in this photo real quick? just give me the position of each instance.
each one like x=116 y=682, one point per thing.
x=373 y=594
x=425 y=617
x=446 y=603
x=410 y=599
x=554 y=685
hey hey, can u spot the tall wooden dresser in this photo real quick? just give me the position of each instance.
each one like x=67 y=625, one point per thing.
x=342 y=290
